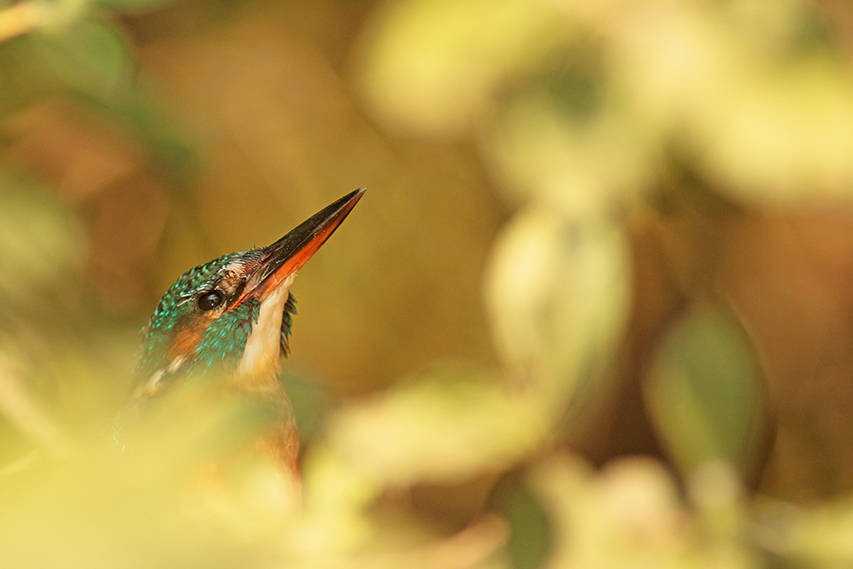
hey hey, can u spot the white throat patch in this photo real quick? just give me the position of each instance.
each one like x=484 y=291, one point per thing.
x=263 y=347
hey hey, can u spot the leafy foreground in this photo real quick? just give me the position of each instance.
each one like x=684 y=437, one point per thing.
x=181 y=490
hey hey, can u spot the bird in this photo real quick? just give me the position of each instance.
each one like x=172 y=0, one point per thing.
x=230 y=320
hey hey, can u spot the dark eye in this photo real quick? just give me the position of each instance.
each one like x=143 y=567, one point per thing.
x=210 y=300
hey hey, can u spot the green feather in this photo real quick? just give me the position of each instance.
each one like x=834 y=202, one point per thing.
x=221 y=344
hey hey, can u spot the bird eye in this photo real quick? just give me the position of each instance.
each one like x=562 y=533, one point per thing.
x=210 y=300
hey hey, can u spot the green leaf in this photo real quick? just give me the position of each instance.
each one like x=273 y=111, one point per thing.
x=92 y=55
x=530 y=528
x=703 y=391
x=41 y=244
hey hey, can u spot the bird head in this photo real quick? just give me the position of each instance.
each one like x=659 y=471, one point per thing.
x=232 y=316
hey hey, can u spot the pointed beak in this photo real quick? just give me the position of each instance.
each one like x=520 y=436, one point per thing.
x=287 y=255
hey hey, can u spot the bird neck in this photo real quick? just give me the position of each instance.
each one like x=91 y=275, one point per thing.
x=260 y=365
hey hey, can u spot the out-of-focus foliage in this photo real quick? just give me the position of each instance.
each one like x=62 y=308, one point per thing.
x=754 y=95
x=705 y=390
x=575 y=274
x=41 y=244
x=653 y=261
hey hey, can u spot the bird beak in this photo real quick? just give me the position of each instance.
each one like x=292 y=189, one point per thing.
x=287 y=255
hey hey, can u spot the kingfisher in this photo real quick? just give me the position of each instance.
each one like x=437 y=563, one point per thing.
x=230 y=320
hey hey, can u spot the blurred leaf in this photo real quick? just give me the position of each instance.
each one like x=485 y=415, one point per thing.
x=703 y=390
x=431 y=65
x=821 y=536
x=584 y=165
x=24 y=77
x=444 y=427
x=92 y=55
x=157 y=504
x=340 y=525
x=626 y=516
x=785 y=139
x=765 y=120
x=557 y=292
x=530 y=531
x=41 y=244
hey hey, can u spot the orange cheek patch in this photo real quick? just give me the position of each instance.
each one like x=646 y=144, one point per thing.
x=186 y=340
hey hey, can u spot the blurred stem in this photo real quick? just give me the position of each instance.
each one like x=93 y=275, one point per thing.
x=18 y=19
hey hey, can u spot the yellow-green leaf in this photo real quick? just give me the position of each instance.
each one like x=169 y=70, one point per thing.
x=558 y=292
x=432 y=65
x=445 y=427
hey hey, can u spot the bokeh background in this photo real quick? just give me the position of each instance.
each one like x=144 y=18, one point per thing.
x=595 y=309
